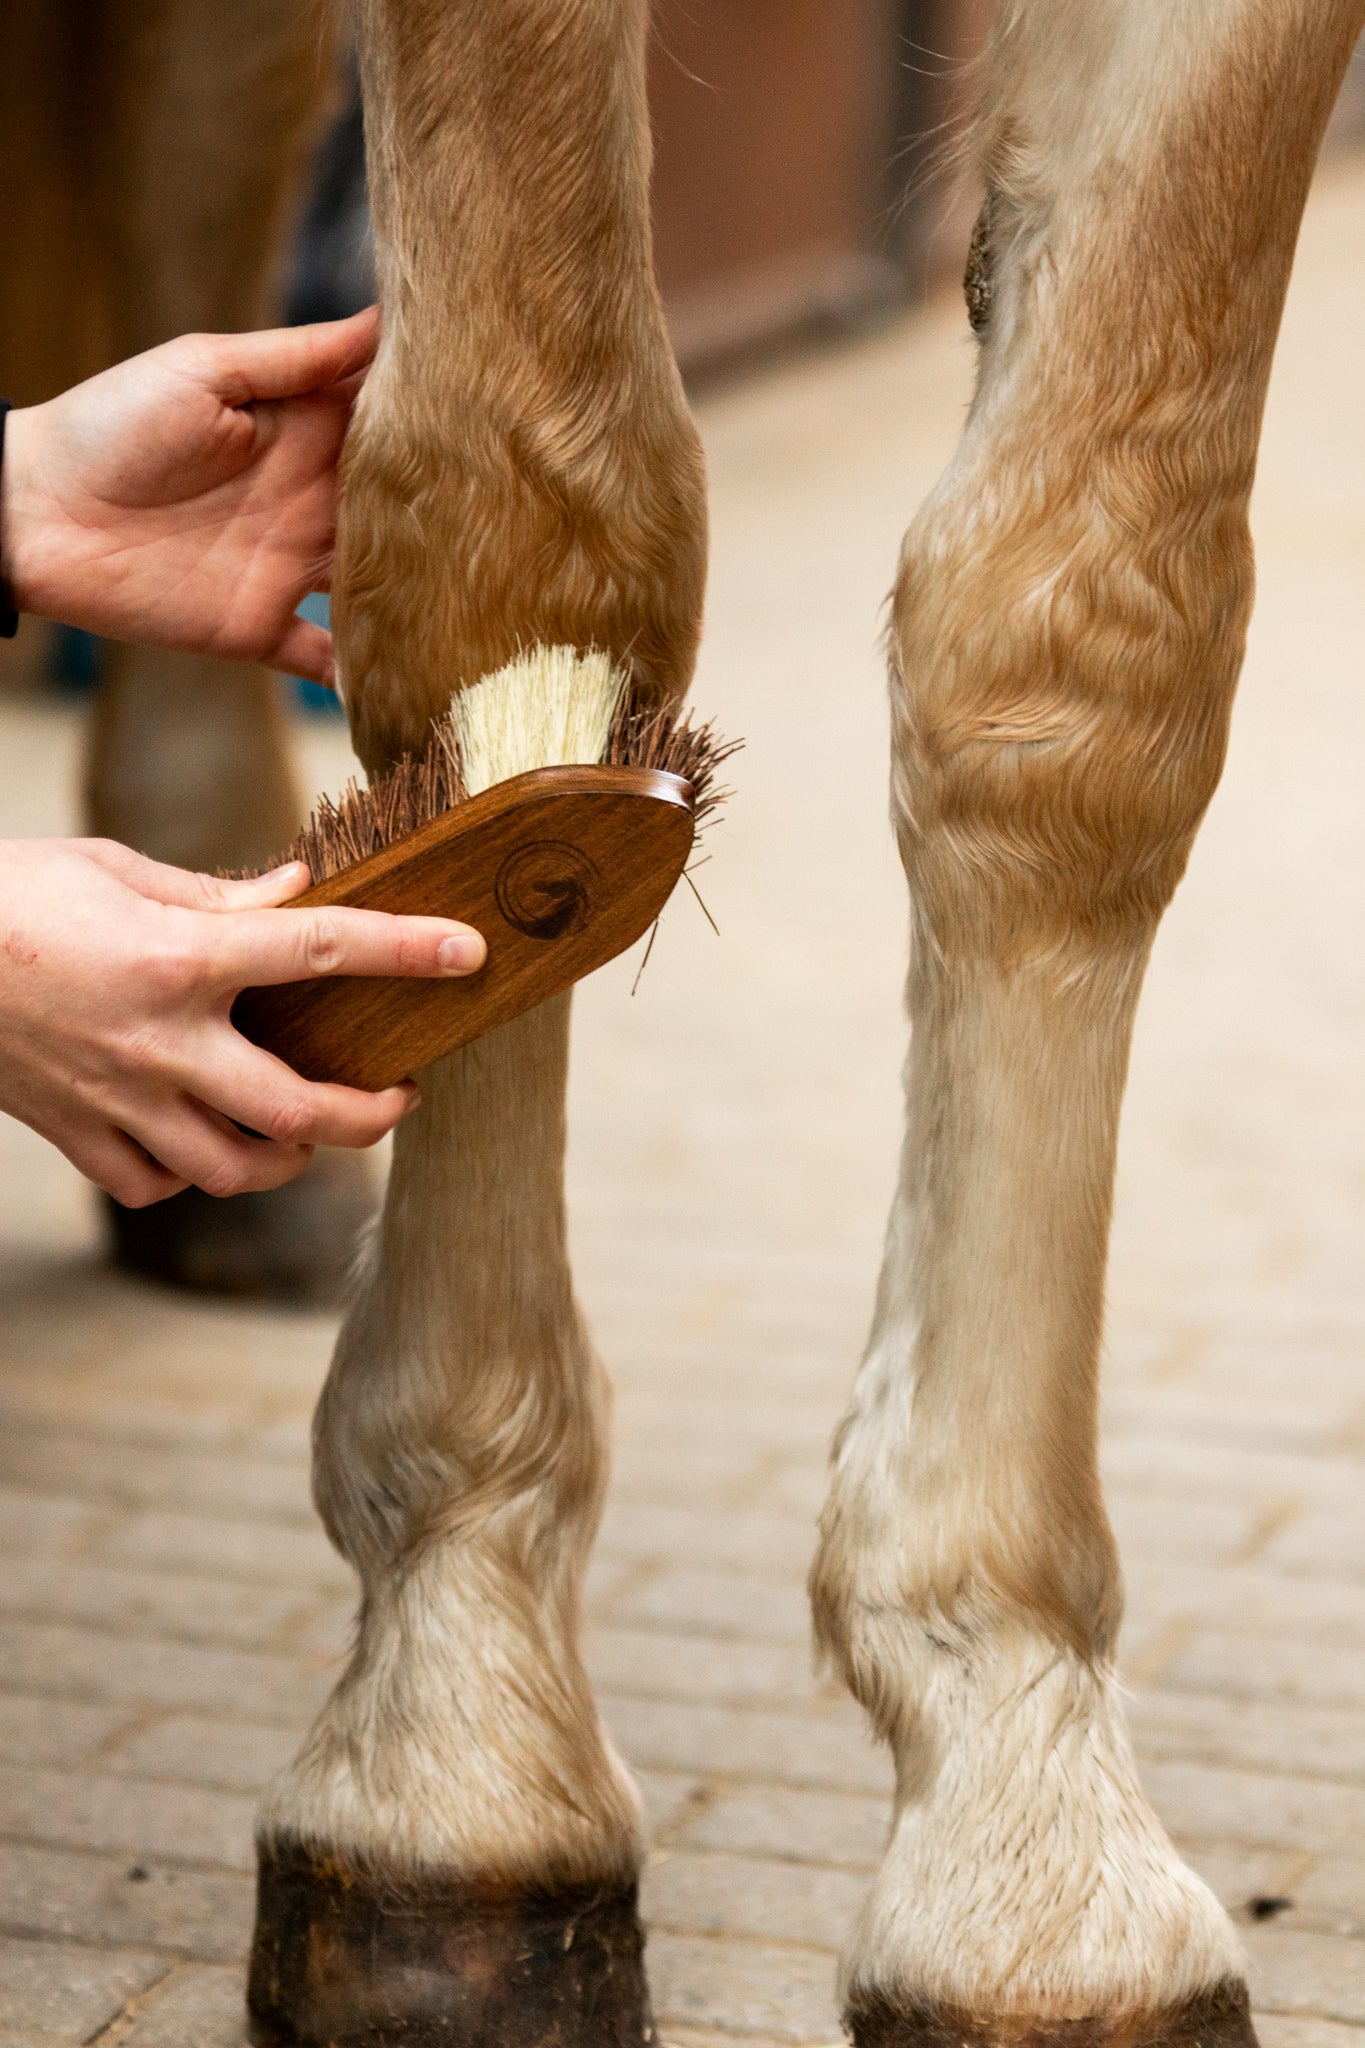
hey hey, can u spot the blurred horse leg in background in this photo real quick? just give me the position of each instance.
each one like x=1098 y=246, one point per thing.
x=155 y=158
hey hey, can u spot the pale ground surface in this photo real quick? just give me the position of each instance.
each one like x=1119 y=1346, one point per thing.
x=169 y=1611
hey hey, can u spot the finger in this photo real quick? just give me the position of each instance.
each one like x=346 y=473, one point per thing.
x=346 y=390
x=201 y=1147
x=191 y=891
x=265 y=892
x=255 y=1088
x=261 y=947
x=116 y=1163
x=304 y=649
x=289 y=362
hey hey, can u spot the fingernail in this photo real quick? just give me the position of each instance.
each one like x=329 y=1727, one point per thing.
x=290 y=868
x=460 y=955
x=414 y=1101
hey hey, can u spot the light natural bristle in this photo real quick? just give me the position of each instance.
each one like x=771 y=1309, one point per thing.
x=550 y=708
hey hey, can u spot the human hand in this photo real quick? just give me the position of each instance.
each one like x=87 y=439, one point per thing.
x=117 y=975
x=187 y=498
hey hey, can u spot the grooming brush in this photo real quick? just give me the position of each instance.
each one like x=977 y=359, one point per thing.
x=545 y=811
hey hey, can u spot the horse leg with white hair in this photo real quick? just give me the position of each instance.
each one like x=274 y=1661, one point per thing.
x=1068 y=628
x=453 y=1855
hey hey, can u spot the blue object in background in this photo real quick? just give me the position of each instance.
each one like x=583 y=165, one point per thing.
x=333 y=267
x=311 y=697
x=331 y=275
x=75 y=661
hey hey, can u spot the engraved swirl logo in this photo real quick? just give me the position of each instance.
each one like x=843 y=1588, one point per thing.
x=547 y=888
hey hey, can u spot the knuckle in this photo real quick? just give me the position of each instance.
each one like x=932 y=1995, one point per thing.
x=141 y=1049
x=209 y=891
x=138 y=1188
x=172 y=972
x=415 y=952
x=404 y=953
x=291 y=1123
x=197 y=353
x=225 y=1177
x=324 y=943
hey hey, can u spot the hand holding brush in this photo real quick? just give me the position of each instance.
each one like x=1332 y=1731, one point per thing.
x=549 y=809
x=117 y=976
x=187 y=499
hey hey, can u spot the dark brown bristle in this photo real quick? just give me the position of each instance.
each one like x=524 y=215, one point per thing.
x=347 y=829
x=643 y=738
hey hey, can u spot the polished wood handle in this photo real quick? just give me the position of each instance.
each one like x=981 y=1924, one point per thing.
x=561 y=870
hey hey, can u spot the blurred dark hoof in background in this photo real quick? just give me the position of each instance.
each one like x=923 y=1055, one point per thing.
x=1219 y=2018
x=291 y=1245
x=348 y=1957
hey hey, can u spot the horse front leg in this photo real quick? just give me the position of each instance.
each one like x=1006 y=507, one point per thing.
x=453 y=1855
x=1068 y=629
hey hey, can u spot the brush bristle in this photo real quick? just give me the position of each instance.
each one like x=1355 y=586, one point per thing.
x=547 y=709
x=643 y=738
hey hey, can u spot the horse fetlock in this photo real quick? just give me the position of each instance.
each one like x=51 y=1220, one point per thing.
x=1028 y=1893
x=463 y=1736
x=925 y=1549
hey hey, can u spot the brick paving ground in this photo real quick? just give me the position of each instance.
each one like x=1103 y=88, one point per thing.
x=169 y=1611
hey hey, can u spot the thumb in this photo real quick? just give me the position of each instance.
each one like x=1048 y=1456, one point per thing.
x=193 y=891
x=291 y=362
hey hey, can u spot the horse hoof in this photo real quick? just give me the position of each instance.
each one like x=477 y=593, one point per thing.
x=347 y=1957
x=1219 y=2018
x=291 y=1244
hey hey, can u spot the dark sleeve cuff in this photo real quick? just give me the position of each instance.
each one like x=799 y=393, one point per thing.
x=9 y=617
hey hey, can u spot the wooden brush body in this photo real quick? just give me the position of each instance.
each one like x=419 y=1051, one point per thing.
x=560 y=869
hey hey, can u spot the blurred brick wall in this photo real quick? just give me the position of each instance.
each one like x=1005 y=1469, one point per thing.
x=796 y=146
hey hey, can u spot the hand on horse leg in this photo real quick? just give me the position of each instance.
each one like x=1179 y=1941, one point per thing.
x=187 y=498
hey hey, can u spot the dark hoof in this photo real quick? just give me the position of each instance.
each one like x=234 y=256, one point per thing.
x=292 y=1244
x=1219 y=2018
x=345 y=1958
